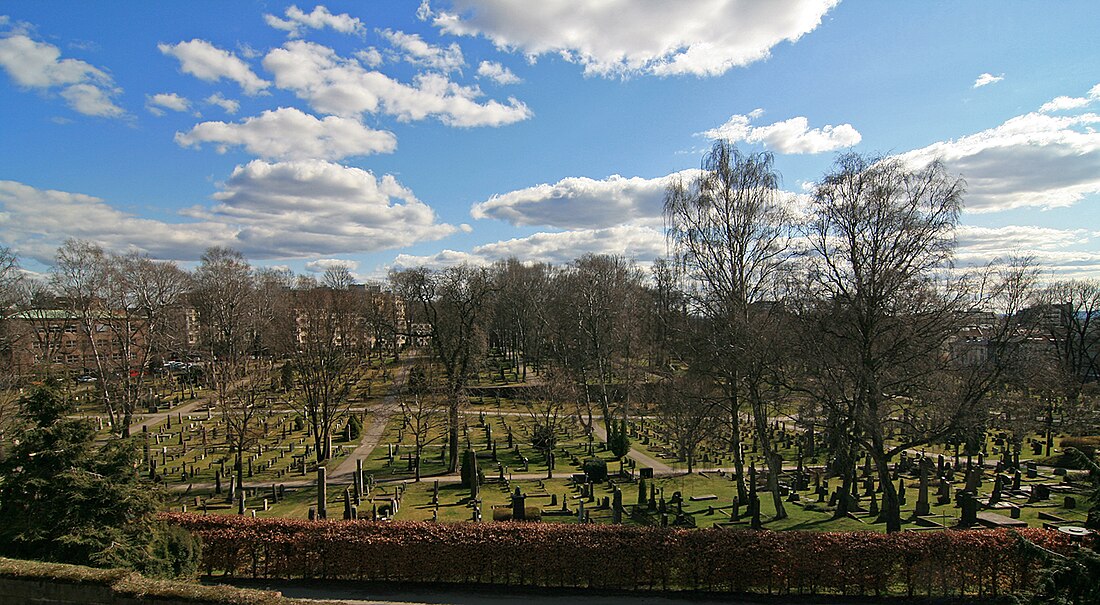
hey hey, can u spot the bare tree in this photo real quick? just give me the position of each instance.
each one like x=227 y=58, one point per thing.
x=12 y=290
x=423 y=411
x=1076 y=334
x=731 y=234
x=546 y=404
x=686 y=408
x=880 y=340
x=455 y=304
x=325 y=358
x=597 y=336
x=78 y=276
x=223 y=296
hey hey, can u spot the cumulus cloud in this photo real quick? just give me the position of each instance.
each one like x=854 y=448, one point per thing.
x=230 y=106
x=623 y=37
x=210 y=64
x=1033 y=160
x=320 y=18
x=313 y=207
x=418 y=52
x=1064 y=252
x=288 y=133
x=497 y=73
x=156 y=104
x=342 y=86
x=324 y=264
x=1064 y=103
x=986 y=79
x=632 y=241
x=582 y=202
x=39 y=66
x=371 y=57
x=789 y=136
x=38 y=221
x=265 y=210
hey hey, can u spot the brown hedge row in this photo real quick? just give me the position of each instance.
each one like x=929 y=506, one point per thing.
x=985 y=562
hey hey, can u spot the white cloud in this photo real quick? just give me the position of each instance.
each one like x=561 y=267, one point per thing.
x=497 y=73
x=324 y=264
x=229 y=105
x=157 y=103
x=210 y=64
x=418 y=52
x=38 y=221
x=341 y=86
x=575 y=202
x=1063 y=252
x=371 y=57
x=313 y=207
x=622 y=37
x=38 y=65
x=281 y=210
x=986 y=79
x=632 y=241
x=789 y=136
x=288 y=133
x=1033 y=160
x=320 y=18
x=1064 y=103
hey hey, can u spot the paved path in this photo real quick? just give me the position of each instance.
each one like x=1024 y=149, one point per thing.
x=379 y=419
x=397 y=594
x=151 y=419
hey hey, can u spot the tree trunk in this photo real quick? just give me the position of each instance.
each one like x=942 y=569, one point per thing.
x=891 y=509
x=452 y=437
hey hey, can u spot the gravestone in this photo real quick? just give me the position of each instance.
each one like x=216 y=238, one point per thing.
x=322 y=492
x=969 y=506
x=519 y=511
x=923 y=508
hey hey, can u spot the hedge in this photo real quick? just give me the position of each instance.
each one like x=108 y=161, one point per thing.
x=123 y=584
x=942 y=563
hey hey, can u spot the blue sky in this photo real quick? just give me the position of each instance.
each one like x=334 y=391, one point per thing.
x=390 y=133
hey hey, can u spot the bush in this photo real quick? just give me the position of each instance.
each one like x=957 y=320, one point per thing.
x=504 y=513
x=356 y=427
x=176 y=554
x=596 y=469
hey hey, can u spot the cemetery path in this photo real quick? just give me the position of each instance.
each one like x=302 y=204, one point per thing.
x=373 y=435
x=659 y=468
x=152 y=419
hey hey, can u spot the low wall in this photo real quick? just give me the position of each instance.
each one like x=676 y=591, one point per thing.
x=37 y=583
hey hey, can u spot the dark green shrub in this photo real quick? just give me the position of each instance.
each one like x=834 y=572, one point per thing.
x=356 y=427
x=596 y=469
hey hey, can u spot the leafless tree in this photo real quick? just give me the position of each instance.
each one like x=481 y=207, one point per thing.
x=424 y=412
x=455 y=303
x=686 y=407
x=596 y=333
x=78 y=276
x=522 y=299
x=12 y=291
x=881 y=338
x=325 y=358
x=546 y=403
x=1076 y=334
x=731 y=232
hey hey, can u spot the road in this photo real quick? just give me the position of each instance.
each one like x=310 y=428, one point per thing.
x=397 y=594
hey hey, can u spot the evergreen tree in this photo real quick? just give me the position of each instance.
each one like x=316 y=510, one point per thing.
x=62 y=499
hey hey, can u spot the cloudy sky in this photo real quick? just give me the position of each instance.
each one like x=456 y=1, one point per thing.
x=391 y=133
